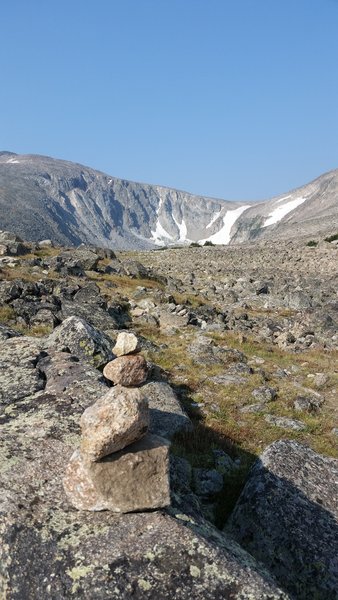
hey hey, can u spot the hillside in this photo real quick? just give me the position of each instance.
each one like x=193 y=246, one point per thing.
x=45 y=198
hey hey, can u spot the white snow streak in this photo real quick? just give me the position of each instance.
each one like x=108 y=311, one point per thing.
x=182 y=229
x=282 y=211
x=229 y=219
x=214 y=218
x=12 y=161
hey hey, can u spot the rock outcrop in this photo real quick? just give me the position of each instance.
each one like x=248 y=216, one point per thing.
x=286 y=517
x=50 y=550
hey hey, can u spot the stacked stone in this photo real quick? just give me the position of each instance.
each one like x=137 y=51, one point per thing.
x=129 y=368
x=119 y=465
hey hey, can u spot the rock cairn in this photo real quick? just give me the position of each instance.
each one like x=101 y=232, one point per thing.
x=119 y=466
x=128 y=369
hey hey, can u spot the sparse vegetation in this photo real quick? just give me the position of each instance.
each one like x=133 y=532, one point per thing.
x=332 y=238
x=312 y=244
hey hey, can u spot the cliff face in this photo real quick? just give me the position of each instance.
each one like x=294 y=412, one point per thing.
x=41 y=197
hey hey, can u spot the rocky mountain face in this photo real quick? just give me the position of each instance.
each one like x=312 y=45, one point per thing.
x=41 y=197
x=209 y=373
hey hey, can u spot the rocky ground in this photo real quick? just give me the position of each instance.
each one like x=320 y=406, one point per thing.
x=241 y=346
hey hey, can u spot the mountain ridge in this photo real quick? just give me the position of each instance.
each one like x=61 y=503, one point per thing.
x=43 y=197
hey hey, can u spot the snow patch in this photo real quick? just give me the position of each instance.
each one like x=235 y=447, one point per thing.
x=160 y=233
x=12 y=161
x=229 y=219
x=282 y=211
x=281 y=199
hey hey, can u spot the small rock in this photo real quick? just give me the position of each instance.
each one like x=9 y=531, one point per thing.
x=305 y=404
x=285 y=423
x=208 y=482
x=228 y=379
x=320 y=380
x=262 y=288
x=119 y=418
x=253 y=408
x=127 y=370
x=45 y=244
x=126 y=343
x=134 y=479
x=265 y=394
x=223 y=463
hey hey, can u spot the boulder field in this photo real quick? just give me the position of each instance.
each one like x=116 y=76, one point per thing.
x=111 y=372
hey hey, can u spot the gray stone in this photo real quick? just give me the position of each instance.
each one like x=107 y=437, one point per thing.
x=228 y=379
x=321 y=380
x=265 y=394
x=7 y=332
x=93 y=314
x=45 y=244
x=83 y=340
x=306 y=404
x=136 y=478
x=223 y=462
x=207 y=482
x=285 y=423
x=167 y=417
x=19 y=376
x=286 y=518
x=253 y=408
x=75 y=261
x=68 y=378
x=180 y=473
x=119 y=418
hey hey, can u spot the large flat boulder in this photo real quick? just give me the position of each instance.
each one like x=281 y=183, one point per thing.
x=133 y=479
x=286 y=517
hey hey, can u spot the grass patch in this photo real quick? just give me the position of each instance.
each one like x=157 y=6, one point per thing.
x=6 y=314
x=34 y=330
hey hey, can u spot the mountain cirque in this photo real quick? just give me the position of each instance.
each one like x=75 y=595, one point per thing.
x=241 y=347
x=42 y=197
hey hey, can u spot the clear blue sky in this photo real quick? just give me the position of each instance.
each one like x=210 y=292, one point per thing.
x=235 y=99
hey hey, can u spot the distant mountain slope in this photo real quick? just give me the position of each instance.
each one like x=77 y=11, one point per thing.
x=42 y=197
x=306 y=211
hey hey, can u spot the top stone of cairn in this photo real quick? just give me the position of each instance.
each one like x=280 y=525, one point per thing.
x=126 y=343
